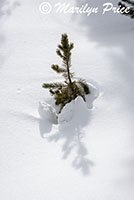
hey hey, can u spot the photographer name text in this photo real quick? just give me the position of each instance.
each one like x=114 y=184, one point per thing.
x=67 y=8
x=86 y=9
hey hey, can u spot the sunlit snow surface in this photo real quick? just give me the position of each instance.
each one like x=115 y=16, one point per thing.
x=90 y=157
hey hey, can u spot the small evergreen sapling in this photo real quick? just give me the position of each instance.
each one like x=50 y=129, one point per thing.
x=70 y=89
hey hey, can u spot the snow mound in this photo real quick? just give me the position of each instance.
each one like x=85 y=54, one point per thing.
x=74 y=111
x=81 y=113
x=92 y=96
x=78 y=106
x=47 y=112
x=66 y=113
x=71 y=111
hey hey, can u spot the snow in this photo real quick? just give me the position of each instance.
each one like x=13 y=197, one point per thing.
x=48 y=112
x=67 y=113
x=78 y=105
x=73 y=111
x=79 y=113
x=90 y=156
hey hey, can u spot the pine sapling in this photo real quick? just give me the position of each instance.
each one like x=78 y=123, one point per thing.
x=70 y=89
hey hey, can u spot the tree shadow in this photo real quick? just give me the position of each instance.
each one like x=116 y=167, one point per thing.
x=72 y=137
x=72 y=133
x=81 y=161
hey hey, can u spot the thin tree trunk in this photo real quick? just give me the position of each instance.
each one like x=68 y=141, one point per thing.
x=70 y=81
x=68 y=73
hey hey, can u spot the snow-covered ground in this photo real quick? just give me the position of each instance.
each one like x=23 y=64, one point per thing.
x=91 y=157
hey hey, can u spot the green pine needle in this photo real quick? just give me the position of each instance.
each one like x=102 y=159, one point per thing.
x=58 y=69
